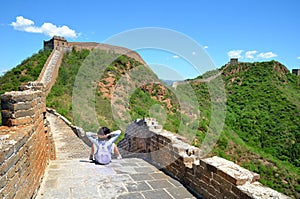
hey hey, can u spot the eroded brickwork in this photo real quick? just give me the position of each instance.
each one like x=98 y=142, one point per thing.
x=25 y=143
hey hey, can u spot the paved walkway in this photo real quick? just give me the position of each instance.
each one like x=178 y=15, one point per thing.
x=73 y=176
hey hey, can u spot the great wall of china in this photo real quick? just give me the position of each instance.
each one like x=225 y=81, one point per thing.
x=27 y=145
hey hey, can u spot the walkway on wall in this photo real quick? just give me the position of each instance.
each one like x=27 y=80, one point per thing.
x=48 y=75
x=73 y=176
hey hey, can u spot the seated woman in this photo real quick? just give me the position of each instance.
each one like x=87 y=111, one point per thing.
x=103 y=145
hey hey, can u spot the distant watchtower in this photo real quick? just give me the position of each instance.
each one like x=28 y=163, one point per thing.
x=56 y=42
x=296 y=72
x=234 y=61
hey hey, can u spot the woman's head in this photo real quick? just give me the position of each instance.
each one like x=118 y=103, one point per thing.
x=103 y=131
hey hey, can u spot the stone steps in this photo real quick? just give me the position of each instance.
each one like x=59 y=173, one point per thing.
x=47 y=78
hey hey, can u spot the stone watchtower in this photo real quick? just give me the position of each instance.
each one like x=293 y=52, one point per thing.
x=56 y=42
x=296 y=72
x=234 y=61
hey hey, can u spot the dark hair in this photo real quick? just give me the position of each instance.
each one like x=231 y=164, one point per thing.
x=103 y=131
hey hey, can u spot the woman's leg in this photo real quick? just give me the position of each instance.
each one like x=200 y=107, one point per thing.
x=116 y=151
x=92 y=152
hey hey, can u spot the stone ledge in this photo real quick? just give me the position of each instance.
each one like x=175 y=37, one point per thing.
x=231 y=171
x=20 y=96
x=257 y=191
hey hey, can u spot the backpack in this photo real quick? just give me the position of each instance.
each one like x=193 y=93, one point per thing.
x=103 y=155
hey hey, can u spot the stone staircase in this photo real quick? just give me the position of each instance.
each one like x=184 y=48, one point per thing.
x=48 y=74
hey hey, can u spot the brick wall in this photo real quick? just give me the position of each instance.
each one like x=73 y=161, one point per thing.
x=212 y=177
x=25 y=143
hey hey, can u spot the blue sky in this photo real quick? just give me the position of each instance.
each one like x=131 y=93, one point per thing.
x=251 y=30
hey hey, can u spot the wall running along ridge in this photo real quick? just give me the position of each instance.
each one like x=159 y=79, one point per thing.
x=26 y=144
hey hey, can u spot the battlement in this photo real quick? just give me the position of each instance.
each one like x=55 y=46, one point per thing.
x=212 y=177
x=25 y=141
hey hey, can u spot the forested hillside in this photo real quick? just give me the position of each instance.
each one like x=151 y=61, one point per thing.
x=262 y=125
x=264 y=108
x=28 y=70
x=263 y=118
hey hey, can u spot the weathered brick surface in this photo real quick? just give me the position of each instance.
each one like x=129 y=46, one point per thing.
x=22 y=107
x=211 y=177
x=25 y=143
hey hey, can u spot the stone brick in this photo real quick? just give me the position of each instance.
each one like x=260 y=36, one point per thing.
x=205 y=179
x=11 y=188
x=178 y=148
x=25 y=113
x=212 y=191
x=22 y=106
x=234 y=180
x=11 y=172
x=229 y=195
x=7 y=114
x=216 y=185
x=19 y=121
x=239 y=193
x=3 y=181
x=22 y=96
x=211 y=168
x=21 y=141
x=7 y=151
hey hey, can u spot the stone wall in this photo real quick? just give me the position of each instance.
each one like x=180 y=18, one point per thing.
x=50 y=70
x=212 y=177
x=25 y=142
x=55 y=42
x=106 y=47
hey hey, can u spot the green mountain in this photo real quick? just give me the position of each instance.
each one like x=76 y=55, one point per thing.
x=262 y=125
x=263 y=104
x=28 y=70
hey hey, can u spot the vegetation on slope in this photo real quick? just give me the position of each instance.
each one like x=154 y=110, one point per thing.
x=28 y=70
x=262 y=130
x=262 y=124
x=263 y=108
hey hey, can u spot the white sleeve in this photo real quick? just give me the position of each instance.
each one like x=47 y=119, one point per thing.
x=90 y=136
x=115 y=135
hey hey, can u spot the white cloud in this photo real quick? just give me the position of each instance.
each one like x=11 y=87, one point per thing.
x=193 y=53
x=266 y=55
x=250 y=54
x=205 y=47
x=175 y=56
x=298 y=57
x=3 y=71
x=49 y=29
x=235 y=53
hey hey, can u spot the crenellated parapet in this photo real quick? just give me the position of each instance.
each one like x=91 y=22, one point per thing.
x=26 y=143
x=212 y=177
